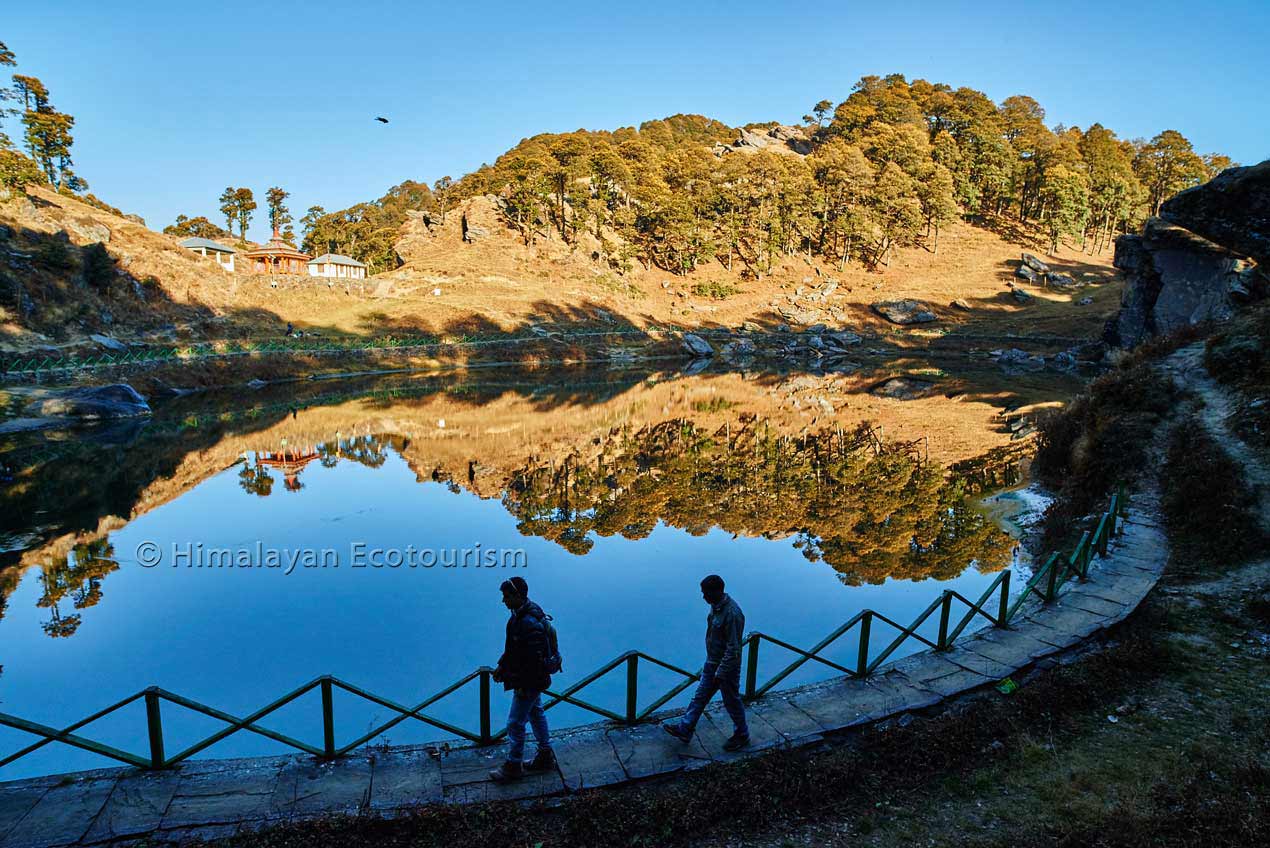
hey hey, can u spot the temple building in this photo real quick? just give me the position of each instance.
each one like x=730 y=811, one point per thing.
x=277 y=257
x=334 y=265
x=223 y=254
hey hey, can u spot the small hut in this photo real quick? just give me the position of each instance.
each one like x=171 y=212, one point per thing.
x=277 y=257
x=334 y=265
x=223 y=254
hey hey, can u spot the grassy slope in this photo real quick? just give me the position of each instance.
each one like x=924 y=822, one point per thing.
x=498 y=284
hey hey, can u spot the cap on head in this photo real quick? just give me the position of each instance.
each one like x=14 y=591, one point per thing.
x=713 y=584
x=517 y=585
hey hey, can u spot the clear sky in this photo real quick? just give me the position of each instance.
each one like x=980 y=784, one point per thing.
x=174 y=102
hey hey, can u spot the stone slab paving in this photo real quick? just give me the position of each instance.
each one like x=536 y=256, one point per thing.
x=212 y=798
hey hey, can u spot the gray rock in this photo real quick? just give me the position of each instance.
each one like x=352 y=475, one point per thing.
x=1021 y=359
x=91 y=404
x=1021 y=296
x=473 y=233
x=1023 y=272
x=904 y=311
x=960 y=304
x=108 y=343
x=1173 y=278
x=696 y=345
x=1232 y=209
x=740 y=349
x=843 y=338
x=1060 y=281
x=1035 y=264
x=1085 y=301
x=903 y=388
x=1064 y=361
x=89 y=230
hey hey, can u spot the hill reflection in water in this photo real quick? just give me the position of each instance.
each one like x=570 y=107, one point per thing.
x=619 y=507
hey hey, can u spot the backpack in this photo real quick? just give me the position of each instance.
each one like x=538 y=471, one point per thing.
x=552 y=662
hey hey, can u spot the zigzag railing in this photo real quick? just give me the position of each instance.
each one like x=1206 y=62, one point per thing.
x=955 y=611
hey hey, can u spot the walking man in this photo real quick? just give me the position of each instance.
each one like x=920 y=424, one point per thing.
x=725 y=626
x=523 y=670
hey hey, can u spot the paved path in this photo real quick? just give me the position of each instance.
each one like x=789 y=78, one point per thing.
x=211 y=798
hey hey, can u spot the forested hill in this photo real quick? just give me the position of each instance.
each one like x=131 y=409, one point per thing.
x=884 y=168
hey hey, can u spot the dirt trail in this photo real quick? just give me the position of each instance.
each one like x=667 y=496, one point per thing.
x=1186 y=367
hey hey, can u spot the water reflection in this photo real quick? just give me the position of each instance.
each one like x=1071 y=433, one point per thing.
x=622 y=479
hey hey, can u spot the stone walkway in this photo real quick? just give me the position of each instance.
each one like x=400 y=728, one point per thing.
x=212 y=798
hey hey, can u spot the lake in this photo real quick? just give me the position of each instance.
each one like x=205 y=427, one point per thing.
x=237 y=546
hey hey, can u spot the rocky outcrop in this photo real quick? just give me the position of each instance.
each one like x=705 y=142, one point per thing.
x=904 y=311
x=780 y=139
x=1206 y=255
x=1174 y=278
x=92 y=404
x=1233 y=210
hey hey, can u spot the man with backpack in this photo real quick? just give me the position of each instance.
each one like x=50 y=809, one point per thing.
x=725 y=626
x=530 y=657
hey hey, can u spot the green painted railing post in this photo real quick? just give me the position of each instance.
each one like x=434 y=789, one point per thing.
x=862 y=659
x=485 y=709
x=154 y=723
x=945 y=609
x=1003 y=611
x=1051 y=579
x=632 y=687
x=328 y=719
x=751 y=666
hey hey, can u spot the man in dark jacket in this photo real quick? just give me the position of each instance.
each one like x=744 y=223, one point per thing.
x=725 y=626
x=522 y=669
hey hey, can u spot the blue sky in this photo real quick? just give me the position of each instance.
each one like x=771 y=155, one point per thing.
x=173 y=102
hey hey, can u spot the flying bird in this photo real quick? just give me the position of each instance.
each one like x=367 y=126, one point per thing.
x=382 y=120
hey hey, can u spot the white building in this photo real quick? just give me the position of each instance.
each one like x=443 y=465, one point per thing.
x=223 y=254
x=334 y=265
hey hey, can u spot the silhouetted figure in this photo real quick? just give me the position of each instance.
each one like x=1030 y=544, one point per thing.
x=725 y=625
x=525 y=669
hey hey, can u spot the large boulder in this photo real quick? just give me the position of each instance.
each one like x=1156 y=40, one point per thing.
x=1174 y=278
x=91 y=404
x=1232 y=209
x=904 y=311
x=695 y=345
x=1031 y=261
x=903 y=388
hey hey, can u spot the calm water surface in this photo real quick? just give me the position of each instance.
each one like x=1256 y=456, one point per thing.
x=611 y=509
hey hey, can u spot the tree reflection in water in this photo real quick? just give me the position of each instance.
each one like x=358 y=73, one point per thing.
x=870 y=510
x=77 y=576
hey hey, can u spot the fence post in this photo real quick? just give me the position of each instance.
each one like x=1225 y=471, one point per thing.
x=945 y=608
x=751 y=666
x=632 y=687
x=1051 y=579
x=328 y=719
x=862 y=660
x=154 y=723
x=1003 y=611
x=485 y=717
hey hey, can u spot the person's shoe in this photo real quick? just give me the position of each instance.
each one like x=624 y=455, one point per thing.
x=736 y=742
x=544 y=760
x=676 y=730
x=507 y=772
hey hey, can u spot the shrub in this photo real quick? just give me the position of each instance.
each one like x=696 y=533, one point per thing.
x=54 y=254
x=98 y=267
x=715 y=290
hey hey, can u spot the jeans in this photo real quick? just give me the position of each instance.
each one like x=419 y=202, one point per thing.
x=526 y=706
x=730 y=686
